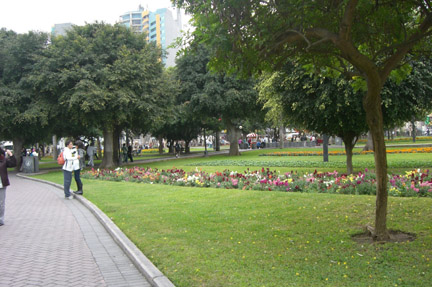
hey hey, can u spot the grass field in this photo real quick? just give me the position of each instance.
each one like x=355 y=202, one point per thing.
x=217 y=237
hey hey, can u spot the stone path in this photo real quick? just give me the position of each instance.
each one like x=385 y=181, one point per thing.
x=50 y=241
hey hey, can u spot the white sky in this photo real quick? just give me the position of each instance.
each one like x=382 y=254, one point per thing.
x=22 y=16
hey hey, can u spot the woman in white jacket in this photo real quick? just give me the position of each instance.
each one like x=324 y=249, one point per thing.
x=71 y=156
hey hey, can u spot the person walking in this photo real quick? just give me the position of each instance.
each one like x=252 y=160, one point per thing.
x=91 y=151
x=77 y=172
x=129 y=153
x=71 y=156
x=177 y=149
x=5 y=162
x=124 y=153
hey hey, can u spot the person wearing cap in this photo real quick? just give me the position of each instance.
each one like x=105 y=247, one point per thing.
x=7 y=159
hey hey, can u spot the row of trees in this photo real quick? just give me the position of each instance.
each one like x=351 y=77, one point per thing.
x=104 y=79
x=98 y=77
x=330 y=57
x=336 y=103
x=367 y=41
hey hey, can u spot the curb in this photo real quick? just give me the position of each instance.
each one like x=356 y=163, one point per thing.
x=141 y=262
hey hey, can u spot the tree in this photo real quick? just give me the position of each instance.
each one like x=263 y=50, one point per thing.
x=409 y=98
x=25 y=114
x=361 y=38
x=216 y=95
x=102 y=76
x=321 y=104
x=336 y=105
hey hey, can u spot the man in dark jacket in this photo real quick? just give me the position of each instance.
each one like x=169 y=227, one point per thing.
x=5 y=162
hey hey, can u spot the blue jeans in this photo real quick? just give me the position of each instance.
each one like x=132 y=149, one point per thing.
x=77 y=178
x=67 y=179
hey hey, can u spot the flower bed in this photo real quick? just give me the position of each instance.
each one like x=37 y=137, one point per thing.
x=413 y=183
x=320 y=153
x=421 y=138
x=151 y=150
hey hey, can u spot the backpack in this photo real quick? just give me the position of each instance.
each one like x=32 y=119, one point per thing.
x=60 y=159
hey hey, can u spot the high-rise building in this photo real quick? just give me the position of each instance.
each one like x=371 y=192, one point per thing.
x=160 y=27
x=60 y=29
x=133 y=19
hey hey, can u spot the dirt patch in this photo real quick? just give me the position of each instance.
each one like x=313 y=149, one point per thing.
x=395 y=236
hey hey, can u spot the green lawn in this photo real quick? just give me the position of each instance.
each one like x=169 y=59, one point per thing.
x=253 y=160
x=216 y=237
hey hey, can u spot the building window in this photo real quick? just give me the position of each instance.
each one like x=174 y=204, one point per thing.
x=153 y=30
x=153 y=23
x=136 y=22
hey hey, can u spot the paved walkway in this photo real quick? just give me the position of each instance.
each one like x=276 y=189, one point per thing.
x=48 y=240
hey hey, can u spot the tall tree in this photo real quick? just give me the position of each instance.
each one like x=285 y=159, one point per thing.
x=362 y=38
x=217 y=95
x=409 y=98
x=103 y=76
x=321 y=104
x=25 y=114
x=332 y=106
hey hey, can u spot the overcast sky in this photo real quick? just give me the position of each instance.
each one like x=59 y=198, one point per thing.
x=22 y=16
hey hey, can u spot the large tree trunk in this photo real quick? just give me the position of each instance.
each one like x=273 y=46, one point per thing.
x=99 y=147
x=414 y=130
x=374 y=118
x=161 y=147
x=233 y=136
x=349 y=142
x=281 y=136
x=217 y=140
x=18 y=145
x=325 y=147
x=110 y=157
x=369 y=143
x=205 y=143
x=54 y=143
x=116 y=145
x=187 y=147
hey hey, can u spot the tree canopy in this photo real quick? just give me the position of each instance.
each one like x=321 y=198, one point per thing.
x=360 y=38
x=25 y=114
x=216 y=95
x=102 y=76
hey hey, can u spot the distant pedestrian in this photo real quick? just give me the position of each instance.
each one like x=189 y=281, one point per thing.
x=91 y=152
x=124 y=151
x=71 y=156
x=7 y=159
x=129 y=153
x=177 y=149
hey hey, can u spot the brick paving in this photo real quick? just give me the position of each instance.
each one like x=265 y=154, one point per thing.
x=48 y=240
